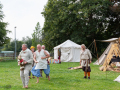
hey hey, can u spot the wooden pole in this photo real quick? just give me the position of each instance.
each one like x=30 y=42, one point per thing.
x=96 y=50
x=106 y=68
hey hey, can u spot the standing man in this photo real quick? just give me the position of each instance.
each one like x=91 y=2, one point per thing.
x=48 y=67
x=85 y=60
x=27 y=56
x=40 y=59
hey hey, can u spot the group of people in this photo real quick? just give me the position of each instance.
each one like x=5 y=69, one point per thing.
x=35 y=62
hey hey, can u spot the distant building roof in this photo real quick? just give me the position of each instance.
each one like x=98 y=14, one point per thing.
x=7 y=51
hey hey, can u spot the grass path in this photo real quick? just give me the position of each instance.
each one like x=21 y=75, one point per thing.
x=61 y=78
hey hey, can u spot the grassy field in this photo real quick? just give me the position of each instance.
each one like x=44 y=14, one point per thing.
x=61 y=78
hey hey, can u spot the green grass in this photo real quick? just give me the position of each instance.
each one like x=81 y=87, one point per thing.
x=61 y=78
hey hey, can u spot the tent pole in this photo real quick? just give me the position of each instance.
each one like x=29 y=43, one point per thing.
x=96 y=50
x=106 y=67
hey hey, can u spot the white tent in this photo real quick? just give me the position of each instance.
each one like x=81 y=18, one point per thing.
x=70 y=51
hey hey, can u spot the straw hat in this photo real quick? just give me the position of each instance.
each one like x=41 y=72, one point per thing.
x=32 y=47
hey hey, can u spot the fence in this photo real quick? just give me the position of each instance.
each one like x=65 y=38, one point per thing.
x=7 y=56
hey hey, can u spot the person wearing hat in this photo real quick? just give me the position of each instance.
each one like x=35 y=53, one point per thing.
x=32 y=48
x=85 y=60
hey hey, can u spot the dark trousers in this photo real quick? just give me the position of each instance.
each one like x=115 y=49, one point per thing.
x=30 y=73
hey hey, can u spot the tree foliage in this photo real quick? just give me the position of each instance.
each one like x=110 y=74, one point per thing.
x=81 y=21
x=37 y=35
x=11 y=46
x=3 y=31
x=27 y=40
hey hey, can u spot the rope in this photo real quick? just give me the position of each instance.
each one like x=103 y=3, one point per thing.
x=90 y=44
x=91 y=51
x=93 y=54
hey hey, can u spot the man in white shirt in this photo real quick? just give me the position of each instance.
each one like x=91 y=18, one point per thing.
x=27 y=56
x=43 y=47
x=85 y=60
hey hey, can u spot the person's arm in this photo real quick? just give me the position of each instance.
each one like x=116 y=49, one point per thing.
x=90 y=56
x=47 y=55
x=18 y=59
x=80 y=58
x=47 y=52
x=34 y=58
x=31 y=57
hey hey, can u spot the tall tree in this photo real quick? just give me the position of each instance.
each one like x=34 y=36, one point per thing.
x=3 y=31
x=11 y=46
x=37 y=35
x=27 y=40
x=82 y=21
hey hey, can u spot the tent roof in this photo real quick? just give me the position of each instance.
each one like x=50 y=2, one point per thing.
x=109 y=40
x=68 y=43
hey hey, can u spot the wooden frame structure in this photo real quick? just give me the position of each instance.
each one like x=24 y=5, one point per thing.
x=115 y=50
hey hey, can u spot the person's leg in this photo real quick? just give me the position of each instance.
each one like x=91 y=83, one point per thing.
x=88 y=75
x=85 y=74
x=26 y=74
x=38 y=75
x=47 y=71
x=41 y=72
x=37 y=80
x=26 y=78
x=33 y=76
x=22 y=77
x=29 y=74
x=59 y=61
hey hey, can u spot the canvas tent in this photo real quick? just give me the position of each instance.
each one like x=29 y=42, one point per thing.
x=112 y=49
x=70 y=51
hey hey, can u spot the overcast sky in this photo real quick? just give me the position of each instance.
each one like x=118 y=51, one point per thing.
x=24 y=14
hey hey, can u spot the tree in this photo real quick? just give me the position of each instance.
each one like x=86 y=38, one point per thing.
x=37 y=35
x=82 y=21
x=27 y=40
x=11 y=46
x=3 y=31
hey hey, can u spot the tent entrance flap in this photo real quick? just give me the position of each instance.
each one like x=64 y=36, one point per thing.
x=65 y=54
x=55 y=53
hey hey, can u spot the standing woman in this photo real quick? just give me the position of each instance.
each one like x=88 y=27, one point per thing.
x=32 y=48
x=85 y=60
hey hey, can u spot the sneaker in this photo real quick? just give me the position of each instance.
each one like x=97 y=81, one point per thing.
x=88 y=77
x=84 y=77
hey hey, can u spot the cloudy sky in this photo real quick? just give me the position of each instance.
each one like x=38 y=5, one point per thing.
x=24 y=14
